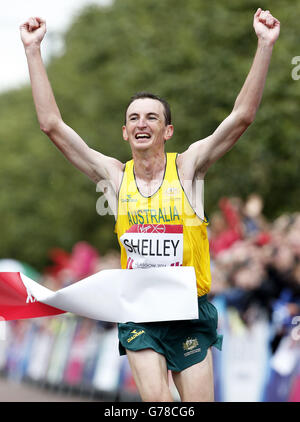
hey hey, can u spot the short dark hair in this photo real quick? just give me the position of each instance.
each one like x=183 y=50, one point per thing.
x=144 y=94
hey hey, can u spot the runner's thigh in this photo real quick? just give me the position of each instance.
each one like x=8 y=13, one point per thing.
x=150 y=373
x=195 y=383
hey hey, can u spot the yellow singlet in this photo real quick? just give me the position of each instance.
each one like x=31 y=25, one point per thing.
x=162 y=229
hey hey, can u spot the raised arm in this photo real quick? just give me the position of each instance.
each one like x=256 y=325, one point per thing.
x=94 y=164
x=201 y=154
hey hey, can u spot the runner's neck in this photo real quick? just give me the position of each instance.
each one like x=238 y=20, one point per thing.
x=149 y=168
x=149 y=173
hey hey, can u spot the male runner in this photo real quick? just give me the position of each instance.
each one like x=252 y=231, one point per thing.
x=159 y=222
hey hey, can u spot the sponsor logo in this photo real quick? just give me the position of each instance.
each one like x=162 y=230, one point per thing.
x=134 y=335
x=30 y=297
x=171 y=191
x=151 y=228
x=190 y=346
x=128 y=199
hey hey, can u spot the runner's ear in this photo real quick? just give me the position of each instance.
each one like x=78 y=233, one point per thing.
x=125 y=135
x=169 y=132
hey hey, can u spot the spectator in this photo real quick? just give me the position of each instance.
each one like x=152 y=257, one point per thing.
x=253 y=220
x=226 y=227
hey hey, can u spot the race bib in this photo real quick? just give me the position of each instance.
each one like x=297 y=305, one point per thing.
x=153 y=245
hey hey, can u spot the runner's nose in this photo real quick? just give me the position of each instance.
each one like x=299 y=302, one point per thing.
x=142 y=123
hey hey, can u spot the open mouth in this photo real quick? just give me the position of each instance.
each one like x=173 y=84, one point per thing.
x=142 y=136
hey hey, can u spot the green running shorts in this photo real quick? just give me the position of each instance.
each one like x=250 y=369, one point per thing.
x=183 y=343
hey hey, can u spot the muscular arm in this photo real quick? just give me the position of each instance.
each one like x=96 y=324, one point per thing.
x=202 y=154
x=92 y=163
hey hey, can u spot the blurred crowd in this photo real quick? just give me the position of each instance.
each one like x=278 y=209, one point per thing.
x=256 y=263
x=68 y=267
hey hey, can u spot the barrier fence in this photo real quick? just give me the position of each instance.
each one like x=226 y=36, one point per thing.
x=80 y=356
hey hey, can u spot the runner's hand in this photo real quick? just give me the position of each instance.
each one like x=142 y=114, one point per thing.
x=33 y=31
x=267 y=27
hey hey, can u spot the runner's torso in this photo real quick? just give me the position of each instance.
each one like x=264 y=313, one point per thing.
x=162 y=229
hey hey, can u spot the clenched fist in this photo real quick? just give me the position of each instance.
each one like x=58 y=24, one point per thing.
x=267 y=27
x=32 y=32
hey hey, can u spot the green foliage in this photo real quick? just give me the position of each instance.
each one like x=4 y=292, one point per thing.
x=196 y=54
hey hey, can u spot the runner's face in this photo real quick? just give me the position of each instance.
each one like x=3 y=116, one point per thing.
x=145 y=124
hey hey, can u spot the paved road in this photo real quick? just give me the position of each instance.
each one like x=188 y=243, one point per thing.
x=12 y=391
